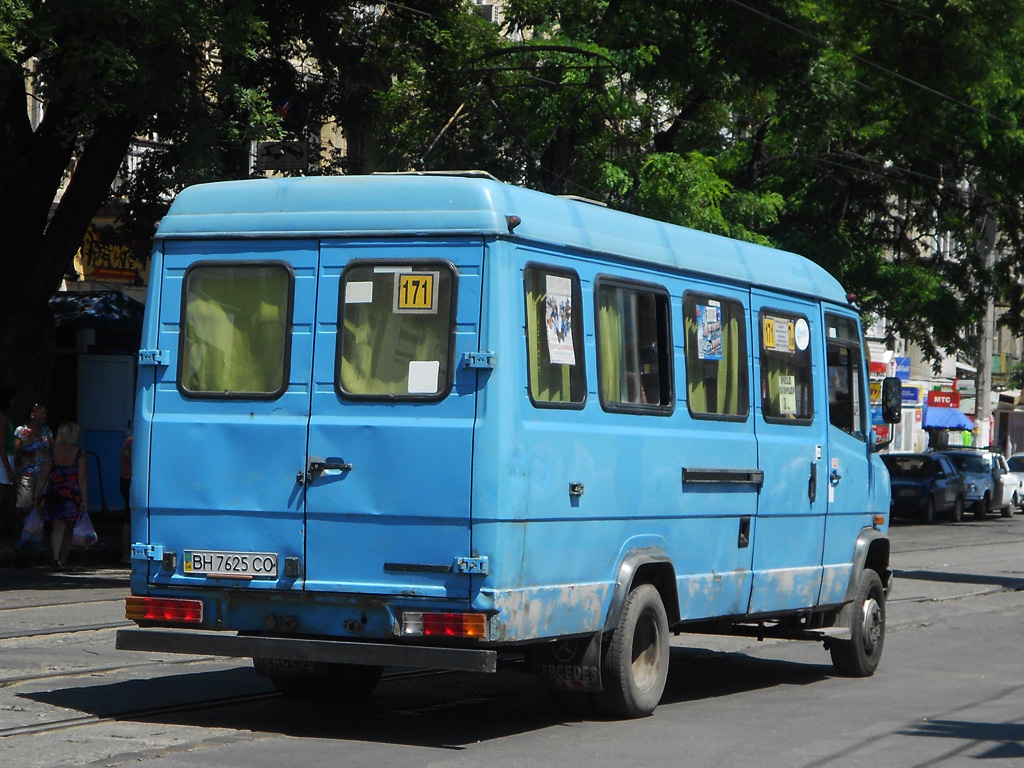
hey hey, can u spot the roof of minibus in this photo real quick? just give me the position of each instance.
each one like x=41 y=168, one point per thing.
x=393 y=205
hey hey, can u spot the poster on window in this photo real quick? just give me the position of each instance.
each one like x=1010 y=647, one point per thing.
x=709 y=332
x=787 y=395
x=558 y=319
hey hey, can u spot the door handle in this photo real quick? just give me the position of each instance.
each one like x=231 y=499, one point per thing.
x=320 y=466
x=834 y=478
x=315 y=466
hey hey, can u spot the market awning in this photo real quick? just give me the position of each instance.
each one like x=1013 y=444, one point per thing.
x=945 y=418
x=96 y=309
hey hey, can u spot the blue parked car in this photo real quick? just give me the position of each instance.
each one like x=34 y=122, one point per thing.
x=990 y=484
x=924 y=484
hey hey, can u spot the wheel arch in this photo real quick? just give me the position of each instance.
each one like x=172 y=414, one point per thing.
x=644 y=564
x=871 y=552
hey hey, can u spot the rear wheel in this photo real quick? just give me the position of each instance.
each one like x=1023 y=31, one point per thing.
x=956 y=514
x=928 y=511
x=1007 y=511
x=635 y=664
x=341 y=683
x=859 y=656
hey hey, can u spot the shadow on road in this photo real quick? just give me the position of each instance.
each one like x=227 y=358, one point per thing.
x=1007 y=738
x=440 y=711
x=1006 y=582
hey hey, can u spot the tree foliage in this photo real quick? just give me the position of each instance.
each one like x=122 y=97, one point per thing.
x=875 y=137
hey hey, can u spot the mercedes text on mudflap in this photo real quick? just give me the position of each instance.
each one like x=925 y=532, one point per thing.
x=417 y=420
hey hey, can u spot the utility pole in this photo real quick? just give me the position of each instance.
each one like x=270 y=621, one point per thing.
x=983 y=377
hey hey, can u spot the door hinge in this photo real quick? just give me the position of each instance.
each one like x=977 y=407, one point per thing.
x=147 y=552
x=152 y=357
x=476 y=565
x=478 y=360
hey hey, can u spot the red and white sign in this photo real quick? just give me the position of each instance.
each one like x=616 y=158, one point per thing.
x=937 y=399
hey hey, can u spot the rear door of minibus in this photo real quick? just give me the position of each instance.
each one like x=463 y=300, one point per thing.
x=391 y=423
x=230 y=411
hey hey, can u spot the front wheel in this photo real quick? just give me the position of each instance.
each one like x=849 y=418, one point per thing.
x=859 y=656
x=981 y=507
x=1007 y=511
x=635 y=664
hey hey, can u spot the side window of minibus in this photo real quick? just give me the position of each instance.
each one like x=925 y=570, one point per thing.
x=786 y=384
x=235 y=335
x=634 y=347
x=554 y=337
x=716 y=357
x=845 y=375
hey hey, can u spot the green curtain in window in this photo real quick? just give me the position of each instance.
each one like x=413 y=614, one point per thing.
x=772 y=369
x=729 y=368
x=610 y=346
x=549 y=382
x=696 y=388
x=378 y=343
x=234 y=328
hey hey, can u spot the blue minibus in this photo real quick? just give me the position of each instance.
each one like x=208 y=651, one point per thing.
x=418 y=420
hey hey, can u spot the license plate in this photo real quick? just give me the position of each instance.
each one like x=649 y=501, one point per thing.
x=252 y=564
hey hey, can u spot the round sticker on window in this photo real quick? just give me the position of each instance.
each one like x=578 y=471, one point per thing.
x=802 y=334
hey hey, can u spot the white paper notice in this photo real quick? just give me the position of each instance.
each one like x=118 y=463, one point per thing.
x=558 y=319
x=423 y=375
x=360 y=292
x=787 y=395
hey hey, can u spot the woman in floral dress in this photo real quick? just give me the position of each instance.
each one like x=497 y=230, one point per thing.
x=66 y=489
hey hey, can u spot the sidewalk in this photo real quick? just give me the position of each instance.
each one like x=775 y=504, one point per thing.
x=104 y=553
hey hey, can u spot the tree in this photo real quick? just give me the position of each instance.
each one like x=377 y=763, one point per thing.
x=105 y=72
x=873 y=137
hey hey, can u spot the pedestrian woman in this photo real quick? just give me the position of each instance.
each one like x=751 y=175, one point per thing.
x=66 y=495
x=7 y=473
x=31 y=446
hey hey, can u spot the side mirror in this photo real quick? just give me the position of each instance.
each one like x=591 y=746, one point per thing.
x=892 y=407
x=892 y=400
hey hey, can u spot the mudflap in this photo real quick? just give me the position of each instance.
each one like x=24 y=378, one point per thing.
x=569 y=665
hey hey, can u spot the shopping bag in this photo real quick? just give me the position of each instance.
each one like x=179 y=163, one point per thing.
x=84 y=535
x=33 y=527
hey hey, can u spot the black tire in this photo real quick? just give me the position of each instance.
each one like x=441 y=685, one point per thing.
x=1007 y=511
x=928 y=511
x=859 y=656
x=956 y=514
x=340 y=683
x=981 y=507
x=635 y=662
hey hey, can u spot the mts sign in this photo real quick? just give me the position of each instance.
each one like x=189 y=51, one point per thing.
x=943 y=399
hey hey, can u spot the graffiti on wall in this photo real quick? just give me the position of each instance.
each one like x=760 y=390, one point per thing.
x=107 y=256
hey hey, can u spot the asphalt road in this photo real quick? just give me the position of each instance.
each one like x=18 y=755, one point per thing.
x=947 y=693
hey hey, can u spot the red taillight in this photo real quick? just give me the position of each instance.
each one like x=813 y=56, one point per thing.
x=163 y=609
x=445 y=624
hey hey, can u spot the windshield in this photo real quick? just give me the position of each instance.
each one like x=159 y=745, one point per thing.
x=971 y=462
x=914 y=467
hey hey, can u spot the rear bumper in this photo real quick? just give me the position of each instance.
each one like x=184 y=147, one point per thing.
x=909 y=505
x=203 y=643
